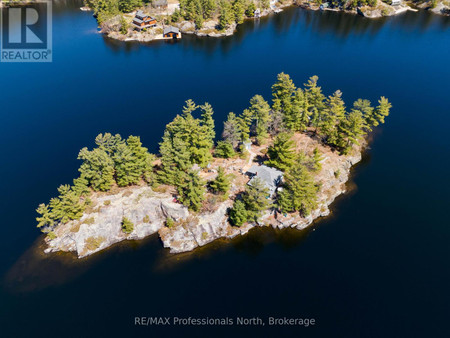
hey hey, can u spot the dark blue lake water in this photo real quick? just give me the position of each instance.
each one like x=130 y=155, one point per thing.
x=378 y=267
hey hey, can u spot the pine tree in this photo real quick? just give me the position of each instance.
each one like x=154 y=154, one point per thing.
x=209 y=7
x=221 y=184
x=297 y=118
x=127 y=168
x=382 y=110
x=108 y=142
x=244 y=123
x=192 y=191
x=45 y=220
x=97 y=168
x=127 y=225
x=189 y=108
x=123 y=25
x=351 y=130
x=80 y=186
x=259 y=111
x=238 y=11
x=175 y=158
x=238 y=214
x=282 y=152
x=299 y=192
x=226 y=15
x=144 y=160
x=67 y=206
x=282 y=92
x=317 y=160
x=127 y=6
x=256 y=199
x=224 y=149
x=231 y=132
x=333 y=114
x=367 y=111
x=208 y=121
x=316 y=100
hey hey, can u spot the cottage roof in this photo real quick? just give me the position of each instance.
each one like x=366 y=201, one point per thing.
x=270 y=176
x=170 y=29
x=140 y=14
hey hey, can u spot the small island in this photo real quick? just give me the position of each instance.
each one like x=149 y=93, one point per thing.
x=138 y=20
x=278 y=164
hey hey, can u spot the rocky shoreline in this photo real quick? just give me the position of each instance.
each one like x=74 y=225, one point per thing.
x=148 y=209
x=210 y=27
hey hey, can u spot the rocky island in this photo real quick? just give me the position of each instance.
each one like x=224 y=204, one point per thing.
x=279 y=165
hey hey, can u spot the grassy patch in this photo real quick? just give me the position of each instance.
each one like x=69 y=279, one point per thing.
x=93 y=243
x=75 y=227
x=89 y=221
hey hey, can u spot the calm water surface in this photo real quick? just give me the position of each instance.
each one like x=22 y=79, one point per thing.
x=379 y=267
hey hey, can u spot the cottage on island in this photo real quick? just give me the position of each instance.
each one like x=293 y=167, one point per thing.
x=142 y=21
x=171 y=32
x=271 y=177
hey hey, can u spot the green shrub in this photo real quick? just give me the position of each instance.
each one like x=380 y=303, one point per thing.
x=170 y=222
x=127 y=225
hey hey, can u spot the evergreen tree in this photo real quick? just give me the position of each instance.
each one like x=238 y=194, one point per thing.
x=244 y=123
x=45 y=220
x=209 y=7
x=297 y=118
x=189 y=108
x=127 y=225
x=256 y=199
x=144 y=160
x=231 y=132
x=238 y=214
x=367 y=111
x=282 y=152
x=382 y=111
x=192 y=191
x=208 y=121
x=128 y=170
x=67 y=206
x=226 y=15
x=259 y=111
x=175 y=158
x=108 y=142
x=238 y=11
x=333 y=114
x=250 y=11
x=299 y=192
x=80 y=186
x=282 y=92
x=127 y=6
x=317 y=160
x=221 y=184
x=97 y=168
x=123 y=25
x=316 y=100
x=224 y=149
x=351 y=130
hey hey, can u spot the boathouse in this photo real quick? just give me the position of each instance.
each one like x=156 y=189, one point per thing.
x=171 y=32
x=142 y=21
